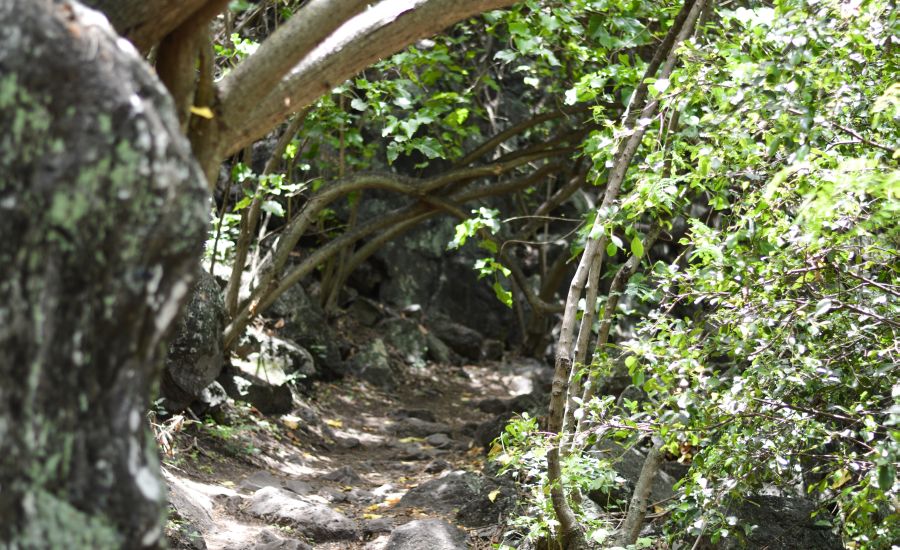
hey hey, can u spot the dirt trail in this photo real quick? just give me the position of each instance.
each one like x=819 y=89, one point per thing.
x=349 y=446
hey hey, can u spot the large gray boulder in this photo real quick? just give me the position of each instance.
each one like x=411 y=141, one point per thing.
x=303 y=514
x=431 y=534
x=495 y=499
x=628 y=463
x=779 y=522
x=267 y=397
x=279 y=359
x=460 y=338
x=268 y=539
x=196 y=354
x=420 y=270
x=444 y=494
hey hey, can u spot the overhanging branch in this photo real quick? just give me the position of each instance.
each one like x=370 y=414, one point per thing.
x=383 y=30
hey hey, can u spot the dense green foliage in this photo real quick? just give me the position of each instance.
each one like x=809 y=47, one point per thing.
x=765 y=322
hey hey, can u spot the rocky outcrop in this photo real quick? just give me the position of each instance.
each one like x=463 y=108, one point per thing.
x=459 y=338
x=373 y=364
x=283 y=356
x=303 y=322
x=445 y=494
x=303 y=514
x=408 y=338
x=433 y=534
x=779 y=522
x=196 y=354
x=267 y=397
x=627 y=465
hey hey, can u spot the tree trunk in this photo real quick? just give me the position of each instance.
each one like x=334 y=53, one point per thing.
x=102 y=212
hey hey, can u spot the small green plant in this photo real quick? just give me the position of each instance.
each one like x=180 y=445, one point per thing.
x=521 y=452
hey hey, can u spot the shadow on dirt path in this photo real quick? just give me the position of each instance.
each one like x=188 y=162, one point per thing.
x=347 y=467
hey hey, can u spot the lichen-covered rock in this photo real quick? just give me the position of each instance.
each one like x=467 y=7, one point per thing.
x=373 y=364
x=496 y=498
x=416 y=427
x=268 y=398
x=439 y=352
x=421 y=271
x=627 y=464
x=366 y=312
x=196 y=354
x=405 y=336
x=103 y=213
x=305 y=324
x=267 y=539
x=279 y=359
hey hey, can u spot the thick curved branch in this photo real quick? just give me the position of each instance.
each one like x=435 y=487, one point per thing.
x=385 y=29
x=269 y=287
x=256 y=76
x=146 y=22
x=560 y=196
x=515 y=130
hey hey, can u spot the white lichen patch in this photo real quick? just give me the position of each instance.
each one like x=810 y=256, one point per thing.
x=151 y=536
x=148 y=484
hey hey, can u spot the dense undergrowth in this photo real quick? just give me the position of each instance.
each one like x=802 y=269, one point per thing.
x=751 y=280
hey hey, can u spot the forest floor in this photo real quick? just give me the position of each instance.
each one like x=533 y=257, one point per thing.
x=346 y=448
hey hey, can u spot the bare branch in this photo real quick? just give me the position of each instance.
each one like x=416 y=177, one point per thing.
x=383 y=30
x=242 y=89
x=637 y=510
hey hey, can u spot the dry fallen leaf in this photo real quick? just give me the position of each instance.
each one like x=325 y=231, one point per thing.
x=291 y=422
x=334 y=423
x=492 y=496
x=204 y=112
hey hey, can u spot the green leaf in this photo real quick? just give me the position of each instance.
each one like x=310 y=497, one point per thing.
x=822 y=307
x=502 y=294
x=886 y=475
x=243 y=203
x=611 y=249
x=660 y=86
x=637 y=248
x=489 y=245
x=274 y=208
x=359 y=104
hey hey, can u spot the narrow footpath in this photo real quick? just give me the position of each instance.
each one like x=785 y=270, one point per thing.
x=352 y=467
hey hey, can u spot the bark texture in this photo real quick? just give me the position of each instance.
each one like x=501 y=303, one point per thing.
x=146 y=22
x=102 y=212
